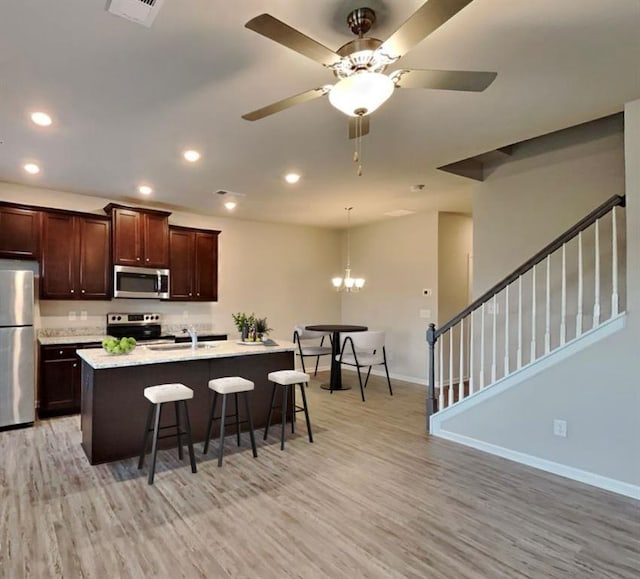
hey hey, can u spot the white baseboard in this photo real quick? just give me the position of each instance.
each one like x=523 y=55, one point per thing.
x=583 y=476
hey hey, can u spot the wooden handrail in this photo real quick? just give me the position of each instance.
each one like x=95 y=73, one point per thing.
x=557 y=243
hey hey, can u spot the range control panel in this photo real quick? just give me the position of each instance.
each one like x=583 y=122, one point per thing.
x=145 y=318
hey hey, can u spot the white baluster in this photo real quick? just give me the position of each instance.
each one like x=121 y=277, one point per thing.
x=506 y=331
x=614 y=265
x=450 y=367
x=533 y=314
x=580 y=314
x=596 y=305
x=441 y=372
x=482 y=347
x=461 y=380
x=471 y=340
x=563 y=303
x=519 y=356
x=494 y=348
x=547 y=331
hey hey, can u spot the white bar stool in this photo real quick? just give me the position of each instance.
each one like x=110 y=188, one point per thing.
x=230 y=385
x=159 y=395
x=286 y=378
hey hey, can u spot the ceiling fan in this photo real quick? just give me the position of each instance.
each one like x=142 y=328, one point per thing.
x=360 y=64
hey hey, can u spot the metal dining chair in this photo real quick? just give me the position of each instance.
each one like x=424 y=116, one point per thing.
x=364 y=350
x=306 y=340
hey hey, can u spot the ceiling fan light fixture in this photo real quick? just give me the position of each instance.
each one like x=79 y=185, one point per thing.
x=361 y=93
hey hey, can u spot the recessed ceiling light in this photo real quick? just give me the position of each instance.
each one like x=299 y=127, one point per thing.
x=145 y=190
x=32 y=168
x=40 y=118
x=191 y=155
x=292 y=178
x=230 y=205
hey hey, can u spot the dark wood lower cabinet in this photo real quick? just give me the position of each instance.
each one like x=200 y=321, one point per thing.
x=60 y=383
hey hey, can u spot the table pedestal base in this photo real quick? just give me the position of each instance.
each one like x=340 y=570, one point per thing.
x=328 y=387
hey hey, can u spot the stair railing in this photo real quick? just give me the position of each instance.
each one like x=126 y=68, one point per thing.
x=534 y=310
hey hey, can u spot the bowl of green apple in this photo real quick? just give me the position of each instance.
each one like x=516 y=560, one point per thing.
x=119 y=346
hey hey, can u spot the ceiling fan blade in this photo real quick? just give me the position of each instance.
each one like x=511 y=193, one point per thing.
x=278 y=106
x=353 y=126
x=284 y=34
x=466 y=80
x=421 y=23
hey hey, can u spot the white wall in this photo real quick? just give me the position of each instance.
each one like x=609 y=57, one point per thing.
x=398 y=259
x=517 y=210
x=278 y=271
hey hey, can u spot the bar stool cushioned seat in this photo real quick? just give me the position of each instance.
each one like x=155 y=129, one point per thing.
x=224 y=386
x=159 y=395
x=286 y=378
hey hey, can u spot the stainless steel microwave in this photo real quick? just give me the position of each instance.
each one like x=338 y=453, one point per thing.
x=140 y=282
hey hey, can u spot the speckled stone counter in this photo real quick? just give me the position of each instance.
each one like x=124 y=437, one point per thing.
x=114 y=407
x=98 y=358
x=62 y=340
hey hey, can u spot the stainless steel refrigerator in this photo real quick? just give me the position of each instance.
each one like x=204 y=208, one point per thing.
x=17 y=349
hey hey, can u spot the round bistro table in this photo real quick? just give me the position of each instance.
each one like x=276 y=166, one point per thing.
x=335 y=383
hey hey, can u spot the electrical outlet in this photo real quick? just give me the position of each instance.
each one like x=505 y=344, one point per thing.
x=560 y=428
x=72 y=316
x=83 y=315
x=427 y=292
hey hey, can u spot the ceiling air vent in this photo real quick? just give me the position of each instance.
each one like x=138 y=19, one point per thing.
x=139 y=11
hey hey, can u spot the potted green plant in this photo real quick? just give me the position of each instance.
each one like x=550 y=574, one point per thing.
x=250 y=327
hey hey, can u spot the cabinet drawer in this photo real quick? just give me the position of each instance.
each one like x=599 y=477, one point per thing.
x=59 y=352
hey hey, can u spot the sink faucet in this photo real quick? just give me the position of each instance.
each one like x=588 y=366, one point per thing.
x=192 y=334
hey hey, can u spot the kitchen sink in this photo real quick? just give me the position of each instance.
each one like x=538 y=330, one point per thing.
x=178 y=347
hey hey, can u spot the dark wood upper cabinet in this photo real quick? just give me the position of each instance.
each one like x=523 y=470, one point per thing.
x=75 y=260
x=140 y=237
x=194 y=264
x=19 y=232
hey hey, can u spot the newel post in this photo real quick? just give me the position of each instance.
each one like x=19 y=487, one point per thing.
x=432 y=402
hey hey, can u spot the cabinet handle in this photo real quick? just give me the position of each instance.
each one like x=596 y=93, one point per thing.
x=72 y=291
x=75 y=365
x=82 y=291
x=137 y=259
x=189 y=294
x=148 y=259
x=61 y=352
x=198 y=294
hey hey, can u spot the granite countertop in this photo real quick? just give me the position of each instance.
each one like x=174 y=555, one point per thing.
x=62 y=340
x=99 y=359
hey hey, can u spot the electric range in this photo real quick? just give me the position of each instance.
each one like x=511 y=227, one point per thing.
x=144 y=327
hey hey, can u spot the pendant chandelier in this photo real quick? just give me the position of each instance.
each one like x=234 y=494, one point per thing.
x=348 y=283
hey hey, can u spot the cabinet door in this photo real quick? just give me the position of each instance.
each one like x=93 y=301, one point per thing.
x=127 y=237
x=59 y=251
x=181 y=264
x=206 y=267
x=19 y=233
x=156 y=240
x=58 y=387
x=94 y=271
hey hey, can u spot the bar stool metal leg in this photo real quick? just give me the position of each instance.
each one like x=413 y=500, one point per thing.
x=248 y=411
x=273 y=399
x=176 y=405
x=222 y=420
x=145 y=440
x=192 y=456
x=285 y=392
x=306 y=411
x=235 y=395
x=154 y=452
x=210 y=426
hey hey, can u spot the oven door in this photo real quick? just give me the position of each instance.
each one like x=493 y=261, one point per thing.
x=140 y=282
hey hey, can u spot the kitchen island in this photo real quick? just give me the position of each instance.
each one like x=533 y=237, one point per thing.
x=113 y=406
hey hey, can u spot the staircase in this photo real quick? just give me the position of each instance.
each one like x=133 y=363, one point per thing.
x=567 y=294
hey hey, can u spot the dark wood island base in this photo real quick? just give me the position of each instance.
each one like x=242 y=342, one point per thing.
x=114 y=407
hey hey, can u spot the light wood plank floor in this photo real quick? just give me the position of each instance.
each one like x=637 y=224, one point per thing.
x=373 y=496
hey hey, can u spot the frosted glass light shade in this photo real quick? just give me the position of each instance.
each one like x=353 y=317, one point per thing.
x=363 y=92
x=337 y=282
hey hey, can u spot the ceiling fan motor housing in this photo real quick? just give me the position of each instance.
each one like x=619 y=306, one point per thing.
x=361 y=20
